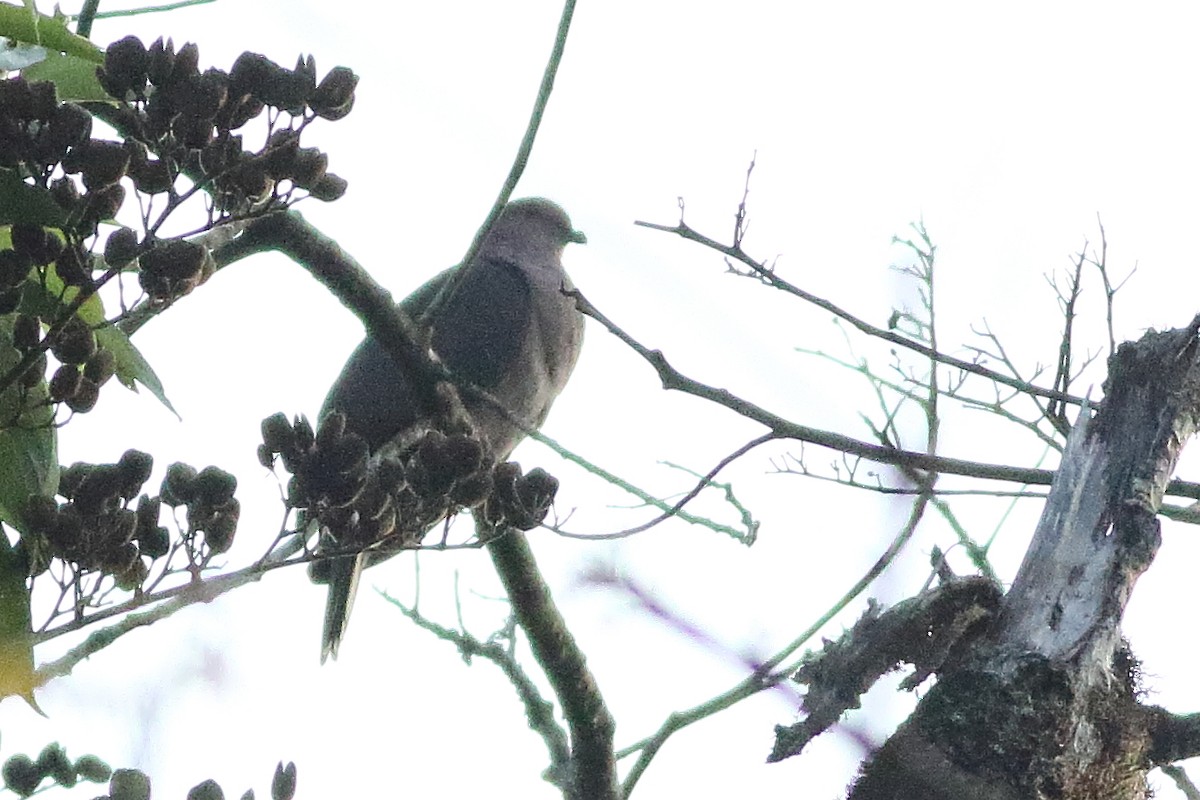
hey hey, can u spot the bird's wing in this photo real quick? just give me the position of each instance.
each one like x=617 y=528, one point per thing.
x=481 y=331
x=479 y=334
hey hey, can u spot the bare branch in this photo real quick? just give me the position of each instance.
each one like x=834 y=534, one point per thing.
x=593 y=764
x=769 y=277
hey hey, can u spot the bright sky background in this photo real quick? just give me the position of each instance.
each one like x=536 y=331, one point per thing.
x=1006 y=128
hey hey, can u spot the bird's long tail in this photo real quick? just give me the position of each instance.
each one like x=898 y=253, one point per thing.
x=343 y=585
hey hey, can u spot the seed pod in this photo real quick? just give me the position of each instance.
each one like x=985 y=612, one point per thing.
x=85 y=397
x=215 y=486
x=277 y=433
x=176 y=259
x=21 y=774
x=153 y=177
x=160 y=61
x=75 y=343
x=28 y=240
x=205 y=95
x=91 y=768
x=335 y=91
x=64 y=382
x=179 y=485
x=135 y=467
x=192 y=132
x=248 y=109
x=102 y=162
x=100 y=367
x=124 y=70
x=283 y=784
x=250 y=72
x=14 y=267
x=44 y=99
x=304 y=433
x=74 y=267
x=329 y=188
x=64 y=192
x=279 y=155
x=308 y=166
x=285 y=89
x=121 y=247
x=252 y=180
x=99 y=490
x=16 y=98
x=36 y=372
x=332 y=428
x=104 y=203
x=472 y=491
x=148 y=509
x=187 y=65
x=53 y=762
x=71 y=478
x=219 y=532
x=132 y=578
x=155 y=542
x=10 y=300
x=27 y=331
x=36 y=242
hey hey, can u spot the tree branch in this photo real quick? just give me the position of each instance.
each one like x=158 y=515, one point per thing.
x=769 y=277
x=672 y=379
x=593 y=763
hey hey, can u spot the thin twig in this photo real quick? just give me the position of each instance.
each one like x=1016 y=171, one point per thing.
x=770 y=673
x=770 y=277
x=672 y=379
x=538 y=711
x=517 y=169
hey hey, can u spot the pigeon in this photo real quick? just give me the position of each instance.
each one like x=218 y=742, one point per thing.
x=508 y=329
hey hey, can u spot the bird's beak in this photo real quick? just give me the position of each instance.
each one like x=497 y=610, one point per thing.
x=578 y=237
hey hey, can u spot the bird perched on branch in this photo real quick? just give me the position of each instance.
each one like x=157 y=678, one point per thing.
x=507 y=329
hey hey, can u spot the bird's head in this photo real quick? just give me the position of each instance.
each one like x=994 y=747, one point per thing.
x=532 y=230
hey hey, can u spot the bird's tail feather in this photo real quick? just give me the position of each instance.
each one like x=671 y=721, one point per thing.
x=343 y=585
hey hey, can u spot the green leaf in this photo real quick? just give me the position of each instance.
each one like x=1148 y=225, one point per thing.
x=131 y=364
x=52 y=33
x=28 y=439
x=74 y=77
x=17 y=675
x=28 y=465
x=20 y=202
x=45 y=301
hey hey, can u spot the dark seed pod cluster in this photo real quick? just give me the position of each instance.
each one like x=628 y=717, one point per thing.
x=211 y=507
x=39 y=136
x=174 y=267
x=96 y=528
x=176 y=121
x=520 y=501
x=83 y=368
x=360 y=500
x=399 y=494
x=23 y=775
x=188 y=119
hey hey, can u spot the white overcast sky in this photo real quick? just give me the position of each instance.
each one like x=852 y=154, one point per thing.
x=1006 y=128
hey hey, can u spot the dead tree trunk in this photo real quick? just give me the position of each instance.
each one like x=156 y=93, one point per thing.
x=1036 y=694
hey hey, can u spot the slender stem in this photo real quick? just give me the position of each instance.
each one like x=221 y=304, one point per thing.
x=87 y=15
x=518 y=165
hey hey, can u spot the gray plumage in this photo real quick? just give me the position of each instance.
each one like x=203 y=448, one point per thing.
x=508 y=329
